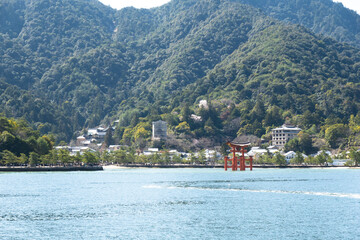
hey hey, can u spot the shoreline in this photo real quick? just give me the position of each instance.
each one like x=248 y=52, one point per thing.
x=124 y=166
x=127 y=166
x=51 y=169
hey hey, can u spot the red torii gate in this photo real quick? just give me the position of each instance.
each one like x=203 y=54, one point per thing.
x=238 y=162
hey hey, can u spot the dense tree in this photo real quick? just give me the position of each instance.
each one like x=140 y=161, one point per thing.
x=323 y=158
x=264 y=159
x=334 y=133
x=183 y=127
x=34 y=159
x=7 y=140
x=23 y=159
x=89 y=158
x=306 y=144
x=293 y=11
x=108 y=140
x=8 y=158
x=42 y=146
x=303 y=143
x=279 y=159
x=298 y=159
x=310 y=160
x=355 y=157
x=293 y=145
x=273 y=117
x=185 y=113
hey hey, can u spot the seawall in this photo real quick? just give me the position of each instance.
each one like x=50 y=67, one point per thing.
x=50 y=169
x=216 y=166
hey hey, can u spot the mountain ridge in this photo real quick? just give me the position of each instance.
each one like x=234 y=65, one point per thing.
x=98 y=64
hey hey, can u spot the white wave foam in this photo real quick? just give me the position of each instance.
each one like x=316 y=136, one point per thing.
x=328 y=194
x=153 y=186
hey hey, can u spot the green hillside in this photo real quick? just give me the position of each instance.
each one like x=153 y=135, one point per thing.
x=290 y=70
x=68 y=65
x=321 y=16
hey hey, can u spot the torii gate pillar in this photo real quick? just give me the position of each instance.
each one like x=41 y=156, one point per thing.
x=238 y=162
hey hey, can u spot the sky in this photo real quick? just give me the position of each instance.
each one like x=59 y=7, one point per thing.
x=118 y=4
x=352 y=4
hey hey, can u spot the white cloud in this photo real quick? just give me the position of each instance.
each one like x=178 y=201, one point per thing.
x=118 y=4
x=352 y=4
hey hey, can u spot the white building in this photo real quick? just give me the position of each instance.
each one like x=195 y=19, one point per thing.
x=291 y=155
x=281 y=135
x=321 y=151
x=151 y=151
x=74 y=150
x=257 y=151
x=212 y=154
x=339 y=162
x=81 y=150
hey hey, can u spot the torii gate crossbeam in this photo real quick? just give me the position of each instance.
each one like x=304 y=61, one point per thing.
x=238 y=162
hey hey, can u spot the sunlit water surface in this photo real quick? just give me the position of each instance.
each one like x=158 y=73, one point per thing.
x=181 y=204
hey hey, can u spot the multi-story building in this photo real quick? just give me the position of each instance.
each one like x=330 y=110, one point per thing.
x=281 y=135
x=159 y=129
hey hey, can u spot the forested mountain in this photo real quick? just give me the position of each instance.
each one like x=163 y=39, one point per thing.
x=321 y=16
x=71 y=64
x=37 y=35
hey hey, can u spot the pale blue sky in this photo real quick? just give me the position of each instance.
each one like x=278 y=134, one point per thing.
x=118 y=4
x=352 y=4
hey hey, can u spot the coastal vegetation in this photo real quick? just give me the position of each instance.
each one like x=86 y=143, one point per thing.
x=18 y=139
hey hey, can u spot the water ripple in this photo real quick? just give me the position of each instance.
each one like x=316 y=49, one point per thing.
x=47 y=216
x=18 y=195
x=328 y=194
x=246 y=180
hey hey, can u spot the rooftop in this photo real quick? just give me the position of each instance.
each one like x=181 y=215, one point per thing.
x=288 y=127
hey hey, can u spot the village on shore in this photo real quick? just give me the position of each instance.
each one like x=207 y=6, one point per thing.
x=93 y=141
x=284 y=146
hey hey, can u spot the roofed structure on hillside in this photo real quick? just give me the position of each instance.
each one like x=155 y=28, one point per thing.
x=94 y=135
x=250 y=139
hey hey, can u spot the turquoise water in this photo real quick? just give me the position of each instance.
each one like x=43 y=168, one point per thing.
x=181 y=204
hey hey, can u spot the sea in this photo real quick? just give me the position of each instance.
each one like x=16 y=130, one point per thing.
x=139 y=203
